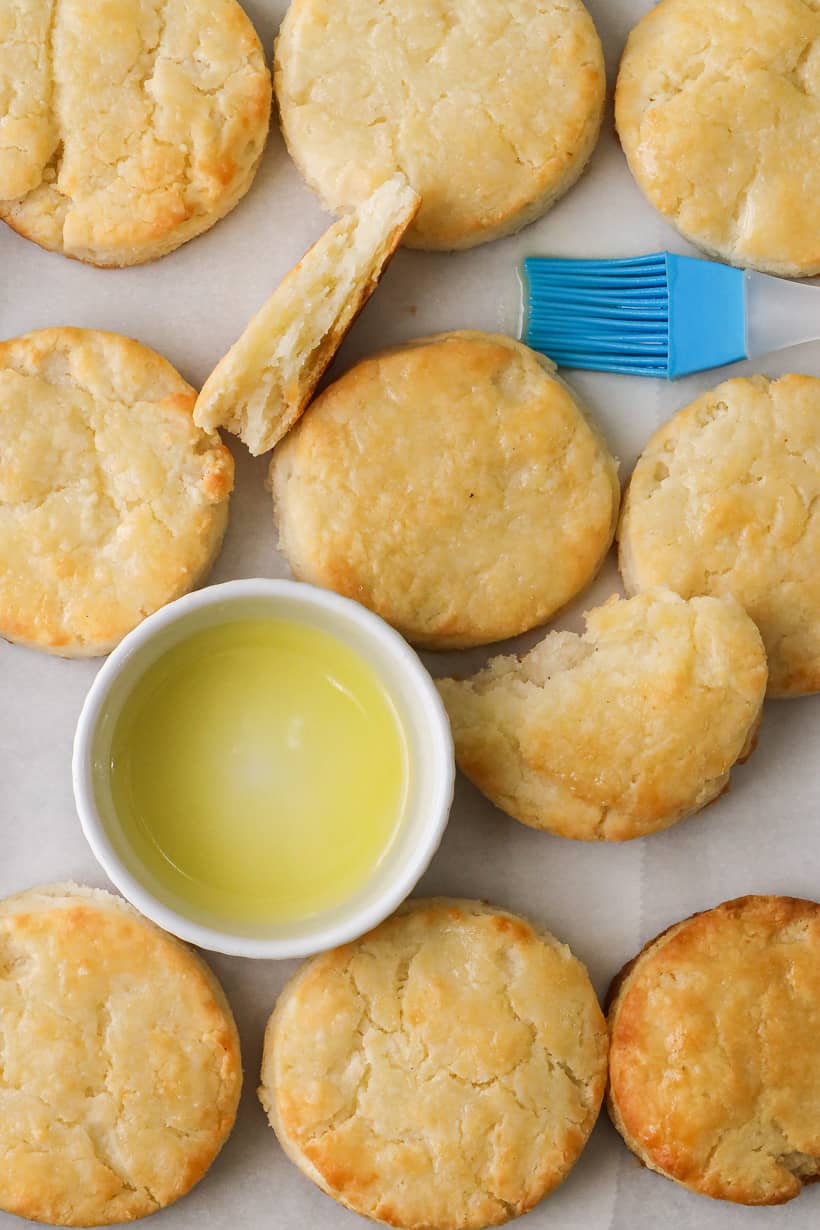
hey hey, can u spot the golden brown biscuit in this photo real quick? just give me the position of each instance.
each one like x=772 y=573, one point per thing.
x=121 y=1065
x=118 y=146
x=112 y=502
x=263 y=384
x=725 y=499
x=452 y=485
x=452 y=95
x=715 y=1051
x=441 y=1073
x=619 y=732
x=718 y=111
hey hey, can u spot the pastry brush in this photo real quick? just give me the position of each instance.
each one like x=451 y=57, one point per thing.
x=661 y=315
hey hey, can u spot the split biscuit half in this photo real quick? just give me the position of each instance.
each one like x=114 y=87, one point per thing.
x=621 y=731
x=263 y=384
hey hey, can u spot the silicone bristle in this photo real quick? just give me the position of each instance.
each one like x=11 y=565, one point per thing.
x=600 y=315
x=658 y=315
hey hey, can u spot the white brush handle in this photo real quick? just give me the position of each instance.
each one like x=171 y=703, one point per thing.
x=779 y=313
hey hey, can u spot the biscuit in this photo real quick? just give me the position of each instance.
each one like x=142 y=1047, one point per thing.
x=725 y=499
x=718 y=111
x=442 y=1072
x=112 y=502
x=619 y=732
x=715 y=1052
x=265 y=381
x=452 y=485
x=451 y=95
x=121 y=1065
x=118 y=147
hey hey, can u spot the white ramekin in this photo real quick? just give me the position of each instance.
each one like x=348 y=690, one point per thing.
x=426 y=728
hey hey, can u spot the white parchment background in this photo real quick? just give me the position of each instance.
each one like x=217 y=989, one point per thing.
x=603 y=900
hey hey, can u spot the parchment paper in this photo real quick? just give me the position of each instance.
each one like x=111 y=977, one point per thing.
x=604 y=900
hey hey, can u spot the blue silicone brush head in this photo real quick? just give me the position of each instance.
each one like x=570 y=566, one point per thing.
x=660 y=315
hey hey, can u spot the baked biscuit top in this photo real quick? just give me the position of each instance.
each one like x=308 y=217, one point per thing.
x=442 y=1072
x=718 y=110
x=453 y=485
x=619 y=732
x=130 y=126
x=725 y=500
x=490 y=110
x=121 y=1066
x=112 y=502
x=715 y=1053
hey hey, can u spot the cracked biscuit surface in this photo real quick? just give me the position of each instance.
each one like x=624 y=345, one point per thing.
x=452 y=485
x=725 y=500
x=490 y=110
x=120 y=1073
x=117 y=147
x=622 y=731
x=718 y=111
x=112 y=502
x=715 y=1051
x=441 y=1073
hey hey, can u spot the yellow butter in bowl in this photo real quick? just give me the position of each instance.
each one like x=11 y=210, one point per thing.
x=259 y=769
x=264 y=768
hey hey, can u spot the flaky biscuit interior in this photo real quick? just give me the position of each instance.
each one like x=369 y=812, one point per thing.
x=265 y=381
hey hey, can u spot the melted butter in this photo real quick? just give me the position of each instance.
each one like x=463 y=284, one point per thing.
x=259 y=771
